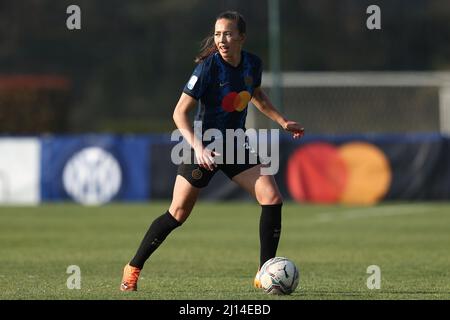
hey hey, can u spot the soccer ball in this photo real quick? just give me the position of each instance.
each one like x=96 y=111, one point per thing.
x=279 y=275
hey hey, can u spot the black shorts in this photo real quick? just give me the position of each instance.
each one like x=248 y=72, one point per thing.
x=200 y=177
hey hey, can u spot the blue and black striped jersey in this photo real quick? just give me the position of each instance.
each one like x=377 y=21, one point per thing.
x=224 y=91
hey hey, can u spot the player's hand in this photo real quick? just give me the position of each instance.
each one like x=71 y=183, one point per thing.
x=293 y=127
x=205 y=158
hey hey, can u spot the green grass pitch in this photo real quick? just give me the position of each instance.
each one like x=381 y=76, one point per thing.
x=214 y=255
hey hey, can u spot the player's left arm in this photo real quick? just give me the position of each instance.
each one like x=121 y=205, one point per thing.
x=263 y=103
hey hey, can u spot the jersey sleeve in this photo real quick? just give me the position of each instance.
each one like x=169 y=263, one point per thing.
x=258 y=73
x=198 y=82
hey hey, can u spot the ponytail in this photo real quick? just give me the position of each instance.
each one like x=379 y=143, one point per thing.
x=207 y=48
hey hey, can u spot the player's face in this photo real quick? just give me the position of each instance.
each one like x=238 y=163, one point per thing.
x=228 y=39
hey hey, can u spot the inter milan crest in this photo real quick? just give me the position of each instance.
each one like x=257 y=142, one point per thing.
x=197 y=174
x=248 y=80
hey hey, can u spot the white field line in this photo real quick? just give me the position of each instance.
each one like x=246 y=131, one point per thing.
x=385 y=211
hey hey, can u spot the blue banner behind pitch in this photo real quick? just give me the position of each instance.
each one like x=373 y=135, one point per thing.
x=95 y=169
x=352 y=169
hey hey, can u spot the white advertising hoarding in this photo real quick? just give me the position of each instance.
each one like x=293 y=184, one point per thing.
x=19 y=171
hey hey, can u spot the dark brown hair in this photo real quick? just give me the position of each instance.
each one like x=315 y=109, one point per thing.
x=208 y=47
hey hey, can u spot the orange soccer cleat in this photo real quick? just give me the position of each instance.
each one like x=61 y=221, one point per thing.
x=257 y=281
x=130 y=278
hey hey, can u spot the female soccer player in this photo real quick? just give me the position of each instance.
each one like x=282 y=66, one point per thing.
x=225 y=79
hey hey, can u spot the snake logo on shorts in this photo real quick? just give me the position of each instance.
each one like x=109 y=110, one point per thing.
x=197 y=174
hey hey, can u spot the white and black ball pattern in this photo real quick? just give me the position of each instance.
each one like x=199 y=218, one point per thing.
x=279 y=275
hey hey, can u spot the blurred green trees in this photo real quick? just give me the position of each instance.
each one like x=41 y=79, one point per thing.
x=130 y=60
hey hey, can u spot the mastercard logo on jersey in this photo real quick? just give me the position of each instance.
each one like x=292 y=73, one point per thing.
x=234 y=101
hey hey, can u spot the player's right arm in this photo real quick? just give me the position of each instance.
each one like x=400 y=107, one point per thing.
x=203 y=155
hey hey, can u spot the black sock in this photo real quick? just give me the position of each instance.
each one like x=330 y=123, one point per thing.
x=269 y=231
x=158 y=231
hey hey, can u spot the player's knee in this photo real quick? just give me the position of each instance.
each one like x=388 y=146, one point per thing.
x=271 y=199
x=179 y=213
